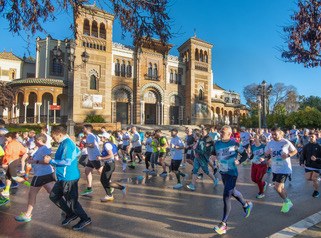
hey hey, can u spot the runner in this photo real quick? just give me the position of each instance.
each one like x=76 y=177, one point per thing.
x=226 y=152
x=107 y=157
x=136 y=149
x=189 y=143
x=65 y=191
x=311 y=159
x=163 y=144
x=149 y=150
x=294 y=135
x=259 y=165
x=43 y=176
x=176 y=147
x=155 y=153
x=92 y=145
x=281 y=150
x=125 y=147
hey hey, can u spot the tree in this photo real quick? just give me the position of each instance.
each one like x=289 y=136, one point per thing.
x=303 y=35
x=311 y=101
x=141 y=18
x=7 y=95
x=307 y=118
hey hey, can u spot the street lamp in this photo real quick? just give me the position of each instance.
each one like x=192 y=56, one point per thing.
x=263 y=93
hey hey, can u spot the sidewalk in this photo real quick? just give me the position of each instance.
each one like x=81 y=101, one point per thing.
x=312 y=232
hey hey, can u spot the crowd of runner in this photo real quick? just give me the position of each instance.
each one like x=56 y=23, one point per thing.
x=207 y=150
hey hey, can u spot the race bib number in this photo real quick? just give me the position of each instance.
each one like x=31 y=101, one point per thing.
x=223 y=166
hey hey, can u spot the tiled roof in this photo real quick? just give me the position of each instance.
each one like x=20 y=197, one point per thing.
x=9 y=56
x=39 y=81
x=215 y=86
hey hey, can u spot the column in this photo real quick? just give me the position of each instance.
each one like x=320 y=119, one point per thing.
x=142 y=110
x=12 y=114
x=54 y=111
x=25 y=115
x=131 y=113
x=162 y=113
x=35 y=112
x=113 y=112
x=39 y=113
x=158 y=109
x=181 y=115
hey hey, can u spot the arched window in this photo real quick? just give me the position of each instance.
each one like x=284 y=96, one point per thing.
x=176 y=77
x=150 y=70
x=155 y=71
x=94 y=29
x=86 y=30
x=117 y=68
x=201 y=95
x=171 y=77
x=93 y=82
x=129 y=70
x=13 y=75
x=205 y=57
x=196 y=55
x=102 y=31
x=201 y=55
x=123 y=69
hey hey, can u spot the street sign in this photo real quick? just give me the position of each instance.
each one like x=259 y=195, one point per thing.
x=55 y=107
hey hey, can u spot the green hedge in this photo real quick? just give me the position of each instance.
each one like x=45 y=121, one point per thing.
x=23 y=128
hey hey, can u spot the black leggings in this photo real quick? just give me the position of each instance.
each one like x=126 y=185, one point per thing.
x=106 y=174
x=132 y=155
x=229 y=191
x=147 y=159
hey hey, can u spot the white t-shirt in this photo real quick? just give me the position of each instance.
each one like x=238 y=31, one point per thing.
x=49 y=140
x=93 y=152
x=280 y=165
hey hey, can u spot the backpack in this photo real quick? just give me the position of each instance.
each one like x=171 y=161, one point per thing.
x=105 y=152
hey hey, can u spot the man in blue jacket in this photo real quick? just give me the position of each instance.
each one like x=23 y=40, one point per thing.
x=65 y=190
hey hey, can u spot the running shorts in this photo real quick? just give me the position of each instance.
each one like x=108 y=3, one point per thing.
x=279 y=178
x=95 y=164
x=38 y=181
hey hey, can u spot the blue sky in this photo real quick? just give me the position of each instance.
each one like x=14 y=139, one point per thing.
x=245 y=34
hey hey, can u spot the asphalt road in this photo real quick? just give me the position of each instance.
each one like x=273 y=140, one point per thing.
x=153 y=209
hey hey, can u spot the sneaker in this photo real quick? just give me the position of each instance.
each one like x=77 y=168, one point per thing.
x=200 y=176
x=81 y=224
x=260 y=196
x=22 y=218
x=316 y=194
x=286 y=206
x=124 y=191
x=178 y=186
x=191 y=187
x=107 y=198
x=14 y=184
x=216 y=181
x=153 y=172
x=248 y=209
x=69 y=219
x=146 y=171
x=6 y=194
x=220 y=228
x=87 y=192
x=2 y=185
x=164 y=174
x=4 y=201
x=265 y=186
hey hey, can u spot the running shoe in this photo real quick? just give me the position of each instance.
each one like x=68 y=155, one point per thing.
x=247 y=209
x=146 y=171
x=81 y=224
x=260 y=196
x=200 y=176
x=4 y=201
x=69 y=219
x=164 y=174
x=178 y=186
x=14 y=184
x=265 y=186
x=6 y=194
x=220 y=228
x=316 y=194
x=287 y=206
x=153 y=172
x=216 y=181
x=191 y=187
x=107 y=198
x=22 y=218
x=87 y=192
x=124 y=191
x=2 y=185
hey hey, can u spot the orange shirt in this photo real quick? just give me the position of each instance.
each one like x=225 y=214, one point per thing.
x=13 y=151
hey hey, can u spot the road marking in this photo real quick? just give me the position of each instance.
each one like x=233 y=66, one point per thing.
x=298 y=227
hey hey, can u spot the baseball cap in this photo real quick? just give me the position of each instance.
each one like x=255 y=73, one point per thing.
x=105 y=135
x=174 y=129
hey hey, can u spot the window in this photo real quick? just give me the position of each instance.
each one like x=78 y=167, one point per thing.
x=123 y=69
x=205 y=57
x=200 y=95
x=171 y=77
x=94 y=29
x=102 y=31
x=201 y=56
x=150 y=70
x=129 y=70
x=155 y=71
x=13 y=75
x=176 y=77
x=57 y=67
x=117 y=68
x=93 y=82
x=196 y=55
x=86 y=30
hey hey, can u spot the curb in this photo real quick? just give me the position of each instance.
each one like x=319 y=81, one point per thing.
x=298 y=227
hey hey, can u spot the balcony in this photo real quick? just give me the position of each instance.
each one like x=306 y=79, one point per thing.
x=152 y=77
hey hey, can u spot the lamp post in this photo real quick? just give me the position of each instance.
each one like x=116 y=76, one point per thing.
x=263 y=93
x=70 y=49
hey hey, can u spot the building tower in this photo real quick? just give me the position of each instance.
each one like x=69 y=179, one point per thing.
x=197 y=55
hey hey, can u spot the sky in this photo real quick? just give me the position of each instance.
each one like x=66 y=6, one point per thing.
x=246 y=35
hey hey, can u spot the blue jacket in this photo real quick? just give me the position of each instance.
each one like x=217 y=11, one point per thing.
x=66 y=161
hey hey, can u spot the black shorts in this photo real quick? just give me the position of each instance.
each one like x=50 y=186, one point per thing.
x=12 y=169
x=94 y=164
x=148 y=155
x=311 y=170
x=189 y=154
x=124 y=147
x=175 y=164
x=38 y=181
x=161 y=155
x=83 y=160
x=138 y=149
x=279 y=178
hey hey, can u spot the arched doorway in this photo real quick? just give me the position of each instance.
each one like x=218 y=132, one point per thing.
x=122 y=104
x=31 y=113
x=175 y=102
x=151 y=104
x=20 y=108
x=47 y=99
